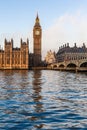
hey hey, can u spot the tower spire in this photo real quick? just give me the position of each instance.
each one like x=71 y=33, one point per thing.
x=37 y=14
x=37 y=21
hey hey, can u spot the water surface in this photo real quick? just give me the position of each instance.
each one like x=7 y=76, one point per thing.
x=51 y=100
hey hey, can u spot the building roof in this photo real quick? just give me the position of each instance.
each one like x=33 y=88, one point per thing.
x=75 y=49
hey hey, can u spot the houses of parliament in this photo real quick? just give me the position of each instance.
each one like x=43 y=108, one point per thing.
x=19 y=58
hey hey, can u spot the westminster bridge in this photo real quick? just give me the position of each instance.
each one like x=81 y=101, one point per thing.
x=71 y=65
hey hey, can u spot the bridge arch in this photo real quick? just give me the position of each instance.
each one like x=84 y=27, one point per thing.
x=71 y=65
x=84 y=64
x=54 y=66
x=61 y=66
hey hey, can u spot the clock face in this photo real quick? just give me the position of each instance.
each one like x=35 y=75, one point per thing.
x=37 y=32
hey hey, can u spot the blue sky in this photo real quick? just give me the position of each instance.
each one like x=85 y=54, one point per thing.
x=61 y=20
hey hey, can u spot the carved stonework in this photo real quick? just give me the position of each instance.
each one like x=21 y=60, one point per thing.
x=37 y=34
x=50 y=57
x=14 y=58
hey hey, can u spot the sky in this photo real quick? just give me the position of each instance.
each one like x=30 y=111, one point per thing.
x=62 y=21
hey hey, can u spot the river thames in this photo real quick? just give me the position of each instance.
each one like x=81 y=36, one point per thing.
x=42 y=99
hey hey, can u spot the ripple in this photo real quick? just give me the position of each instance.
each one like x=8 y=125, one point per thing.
x=43 y=100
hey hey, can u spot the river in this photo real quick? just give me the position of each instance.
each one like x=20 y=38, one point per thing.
x=42 y=99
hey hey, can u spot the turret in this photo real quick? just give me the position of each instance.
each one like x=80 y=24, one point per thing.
x=67 y=44
x=21 y=41
x=12 y=42
x=75 y=45
x=27 y=41
x=5 y=41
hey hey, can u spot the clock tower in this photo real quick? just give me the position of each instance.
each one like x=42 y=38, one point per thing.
x=37 y=34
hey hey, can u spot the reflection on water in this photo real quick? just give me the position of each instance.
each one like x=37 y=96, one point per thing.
x=32 y=100
x=37 y=98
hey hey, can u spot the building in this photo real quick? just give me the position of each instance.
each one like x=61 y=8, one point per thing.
x=14 y=58
x=37 y=36
x=19 y=58
x=50 y=57
x=67 y=53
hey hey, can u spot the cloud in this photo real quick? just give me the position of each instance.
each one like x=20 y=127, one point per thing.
x=67 y=28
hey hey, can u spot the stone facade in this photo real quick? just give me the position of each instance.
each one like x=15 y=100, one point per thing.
x=50 y=57
x=67 y=53
x=19 y=58
x=14 y=58
x=37 y=36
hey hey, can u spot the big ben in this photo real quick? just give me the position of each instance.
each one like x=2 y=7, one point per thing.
x=37 y=35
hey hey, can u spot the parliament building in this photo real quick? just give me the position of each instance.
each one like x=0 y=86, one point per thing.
x=19 y=58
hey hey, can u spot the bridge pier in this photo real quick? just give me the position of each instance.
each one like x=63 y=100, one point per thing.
x=76 y=69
